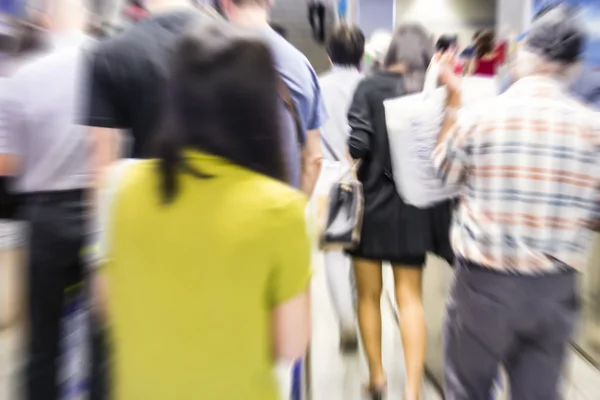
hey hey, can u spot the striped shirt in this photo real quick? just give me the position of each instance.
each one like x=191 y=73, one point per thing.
x=529 y=164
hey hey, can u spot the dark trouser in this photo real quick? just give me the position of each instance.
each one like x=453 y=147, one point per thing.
x=57 y=230
x=318 y=27
x=522 y=322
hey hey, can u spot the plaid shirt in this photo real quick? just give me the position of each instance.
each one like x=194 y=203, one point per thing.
x=529 y=165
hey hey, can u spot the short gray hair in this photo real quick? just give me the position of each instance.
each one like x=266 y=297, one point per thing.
x=530 y=63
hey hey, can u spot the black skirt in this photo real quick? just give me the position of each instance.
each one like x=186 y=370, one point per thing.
x=402 y=234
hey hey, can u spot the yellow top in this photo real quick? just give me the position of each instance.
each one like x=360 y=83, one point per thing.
x=192 y=285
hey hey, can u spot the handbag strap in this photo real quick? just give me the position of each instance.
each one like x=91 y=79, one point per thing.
x=286 y=97
x=328 y=147
x=350 y=174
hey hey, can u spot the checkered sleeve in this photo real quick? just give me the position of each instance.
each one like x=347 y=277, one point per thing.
x=450 y=155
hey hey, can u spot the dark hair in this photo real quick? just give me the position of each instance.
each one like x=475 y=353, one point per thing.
x=484 y=43
x=97 y=30
x=412 y=46
x=445 y=42
x=279 y=29
x=477 y=33
x=8 y=43
x=30 y=37
x=261 y=3
x=346 y=45
x=223 y=100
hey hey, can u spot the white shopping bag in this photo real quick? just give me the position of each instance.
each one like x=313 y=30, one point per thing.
x=414 y=124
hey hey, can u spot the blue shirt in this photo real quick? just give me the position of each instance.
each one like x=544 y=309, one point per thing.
x=303 y=83
x=468 y=52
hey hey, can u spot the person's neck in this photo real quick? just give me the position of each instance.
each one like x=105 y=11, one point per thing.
x=250 y=17
x=345 y=67
x=168 y=5
x=397 y=68
x=67 y=26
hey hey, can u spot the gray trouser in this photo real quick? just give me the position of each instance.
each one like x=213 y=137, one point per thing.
x=341 y=285
x=522 y=322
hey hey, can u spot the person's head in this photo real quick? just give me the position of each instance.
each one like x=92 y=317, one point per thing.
x=30 y=38
x=410 y=51
x=377 y=47
x=279 y=29
x=476 y=35
x=245 y=12
x=446 y=43
x=65 y=15
x=222 y=96
x=346 y=46
x=484 y=43
x=553 y=46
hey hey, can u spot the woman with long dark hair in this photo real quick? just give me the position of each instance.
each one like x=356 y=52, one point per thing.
x=487 y=58
x=392 y=230
x=206 y=253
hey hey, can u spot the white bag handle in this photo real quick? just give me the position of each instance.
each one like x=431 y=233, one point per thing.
x=431 y=78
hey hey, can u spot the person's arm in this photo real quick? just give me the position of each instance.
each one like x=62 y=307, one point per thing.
x=312 y=160
x=107 y=113
x=312 y=155
x=450 y=154
x=453 y=101
x=105 y=145
x=289 y=282
x=361 y=126
x=99 y=252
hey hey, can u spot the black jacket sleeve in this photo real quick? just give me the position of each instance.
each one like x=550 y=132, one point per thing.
x=361 y=125
x=107 y=107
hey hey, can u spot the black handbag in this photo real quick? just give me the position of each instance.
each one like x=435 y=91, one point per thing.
x=343 y=222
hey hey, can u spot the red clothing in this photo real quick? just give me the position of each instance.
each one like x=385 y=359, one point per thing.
x=501 y=51
x=135 y=13
x=485 y=67
x=458 y=68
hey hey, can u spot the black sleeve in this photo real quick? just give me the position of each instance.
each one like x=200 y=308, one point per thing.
x=108 y=106
x=359 y=119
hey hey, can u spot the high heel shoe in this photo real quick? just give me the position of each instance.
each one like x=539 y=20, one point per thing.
x=348 y=342
x=376 y=392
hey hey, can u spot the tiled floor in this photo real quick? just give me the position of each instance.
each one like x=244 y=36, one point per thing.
x=334 y=377
x=337 y=378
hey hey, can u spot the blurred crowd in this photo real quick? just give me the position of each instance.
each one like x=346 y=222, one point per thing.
x=171 y=165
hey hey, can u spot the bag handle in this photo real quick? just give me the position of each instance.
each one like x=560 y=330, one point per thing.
x=286 y=96
x=431 y=78
x=329 y=148
x=350 y=174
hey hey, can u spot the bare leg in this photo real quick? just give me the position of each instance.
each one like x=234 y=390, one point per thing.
x=408 y=282
x=370 y=285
